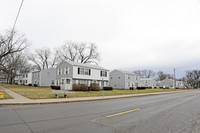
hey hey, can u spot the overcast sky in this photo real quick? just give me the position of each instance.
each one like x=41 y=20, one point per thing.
x=130 y=34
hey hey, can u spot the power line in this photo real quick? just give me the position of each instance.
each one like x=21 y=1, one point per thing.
x=13 y=28
x=17 y=15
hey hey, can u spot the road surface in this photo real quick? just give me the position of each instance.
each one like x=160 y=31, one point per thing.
x=168 y=113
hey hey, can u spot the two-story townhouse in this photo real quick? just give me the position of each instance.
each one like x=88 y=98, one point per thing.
x=69 y=73
x=167 y=83
x=148 y=82
x=27 y=78
x=123 y=79
x=180 y=84
x=44 y=77
x=18 y=79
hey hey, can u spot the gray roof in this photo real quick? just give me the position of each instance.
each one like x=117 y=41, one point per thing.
x=126 y=72
x=85 y=65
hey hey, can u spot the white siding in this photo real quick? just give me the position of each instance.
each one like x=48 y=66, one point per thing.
x=95 y=74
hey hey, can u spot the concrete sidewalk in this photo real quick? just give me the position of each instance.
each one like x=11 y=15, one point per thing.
x=20 y=100
x=17 y=98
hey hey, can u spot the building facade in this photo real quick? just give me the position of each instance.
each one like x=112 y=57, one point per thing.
x=44 y=77
x=169 y=83
x=123 y=79
x=148 y=82
x=69 y=73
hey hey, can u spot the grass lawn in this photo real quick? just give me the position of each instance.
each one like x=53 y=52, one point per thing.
x=117 y=92
x=46 y=92
x=31 y=92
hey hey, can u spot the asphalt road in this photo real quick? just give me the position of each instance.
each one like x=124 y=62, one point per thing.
x=168 y=113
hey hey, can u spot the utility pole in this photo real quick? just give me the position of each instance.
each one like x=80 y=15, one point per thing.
x=174 y=78
x=102 y=87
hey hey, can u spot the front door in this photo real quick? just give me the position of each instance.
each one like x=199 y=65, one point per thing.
x=62 y=84
x=68 y=84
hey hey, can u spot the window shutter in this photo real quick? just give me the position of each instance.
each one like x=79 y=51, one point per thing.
x=89 y=71
x=78 y=70
x=101 y=74
x=106 y=74
x=68 y=70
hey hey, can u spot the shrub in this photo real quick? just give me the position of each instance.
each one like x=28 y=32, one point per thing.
x=79 y=87
x=75 y=87
x=35 y=85
x=55 y=87
x=94 y=87
x=108 y=88
x=83 y=87
x=131 y=88
x=141 y=88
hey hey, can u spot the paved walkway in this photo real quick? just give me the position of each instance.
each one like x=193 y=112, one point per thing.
x=19 y=99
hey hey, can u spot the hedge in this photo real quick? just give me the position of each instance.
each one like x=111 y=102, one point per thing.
x=55 y=87
x=107 y=88
x=141 y=88
x=94 y=87
x=79 y=87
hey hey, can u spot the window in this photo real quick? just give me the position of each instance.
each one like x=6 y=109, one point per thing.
x=103 y=73
x=68 y=81
x=67 y=70
x=62 y=81
x=81 y=71
x=84 y=71
x=52 y=82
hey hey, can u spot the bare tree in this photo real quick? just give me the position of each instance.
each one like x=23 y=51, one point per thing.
x=43 y=58
x=12 y=46
x=161 y=75
x=13 y=63
x=69 y=51
x=145 y=73
x=82 y=52
x=12 y=42
x=193 y=78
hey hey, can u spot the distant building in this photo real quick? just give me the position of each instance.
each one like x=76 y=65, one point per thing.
x=44 y=77
x=148 y=82
x=27 y=78
x=169 y=83
x=18 y=79
x=3 y=78
x=69 y=73
x=123 y=79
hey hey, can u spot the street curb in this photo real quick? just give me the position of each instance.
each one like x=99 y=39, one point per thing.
x=85 y=99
